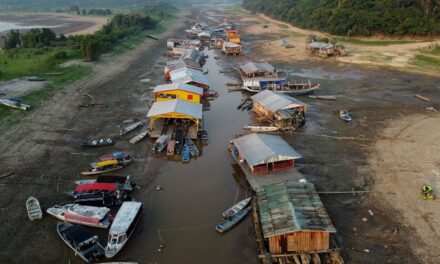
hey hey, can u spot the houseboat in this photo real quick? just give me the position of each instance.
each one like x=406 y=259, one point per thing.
x=122 y=227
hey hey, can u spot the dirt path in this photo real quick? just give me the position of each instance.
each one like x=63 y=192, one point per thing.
x=406 y=160
x=42 y=150
x=397 y=56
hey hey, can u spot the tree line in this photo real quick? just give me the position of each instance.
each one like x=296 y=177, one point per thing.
x=102 y=41
x=356 y=17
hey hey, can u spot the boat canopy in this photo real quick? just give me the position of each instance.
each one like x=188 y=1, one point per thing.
x=176 y=108
x=274 y=101
x=106 y=163
x=78 y=234
x=259 y=149
x=100 y=186
x=125 y=216
x=82 y=212
x=178 y=86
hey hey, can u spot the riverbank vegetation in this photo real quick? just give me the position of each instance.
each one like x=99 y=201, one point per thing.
x=357 y=17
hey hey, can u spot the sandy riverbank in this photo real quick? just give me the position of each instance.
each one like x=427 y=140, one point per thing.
x=60 y=23
x=397 y=56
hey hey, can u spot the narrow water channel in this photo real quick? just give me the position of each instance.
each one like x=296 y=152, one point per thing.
x=183 y=215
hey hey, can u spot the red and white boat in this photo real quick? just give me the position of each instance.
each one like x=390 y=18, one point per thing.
x=82 y=214
x=93 y=188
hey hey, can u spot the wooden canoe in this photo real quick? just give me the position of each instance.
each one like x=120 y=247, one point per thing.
x=236 y=207
x=227 y=223
x=139 y=137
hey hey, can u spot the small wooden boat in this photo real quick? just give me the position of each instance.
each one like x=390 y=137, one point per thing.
x=323 y=97
x=299 y=88
x=15 y=103
x=160 y=144
x=423 y=98
x=33 y=209
x=103 y=167
x=130 y=128
x=246 y=105
x=203 y=135
x=185 y=155
x=81 y=241
x=82 y=214
x=171 y=146
x=236 y=208
x=94 y=143
x=256 y=128
x=139 y=137
x=229 y=222
x=121 y=156
x=193 y=150
x=344 y=115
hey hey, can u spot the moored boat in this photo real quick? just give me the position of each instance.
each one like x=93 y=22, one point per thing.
x=103 y=167
x=121 y=156
x=298 y=88
x=323 y=97
x=139 y=137
x=33 y=209
x=344 y=115
x=122 y=227
x=203 y=135
x=246 y=105
x=108 y=179
x=236 y=207
x=170 y=147
x=82 y=214
x=256 y=128
x=229 y=222
x=95 y=187
x=160 y=144
x=178 y=136
x=130 y=128
x=85 y=244
x=98 y=143
x=15 y=103
x=193 y=150
x=185 y=155
x=100 y=199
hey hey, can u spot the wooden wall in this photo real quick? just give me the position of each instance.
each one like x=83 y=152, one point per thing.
x=300 y=242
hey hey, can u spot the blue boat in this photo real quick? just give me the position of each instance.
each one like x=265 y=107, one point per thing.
x=230 y=221
x=185 y=155
x=343 y=114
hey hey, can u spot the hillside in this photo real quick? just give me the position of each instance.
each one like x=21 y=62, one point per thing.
x=355 y=17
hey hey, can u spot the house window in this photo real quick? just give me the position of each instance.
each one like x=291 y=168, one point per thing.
x=190 y=96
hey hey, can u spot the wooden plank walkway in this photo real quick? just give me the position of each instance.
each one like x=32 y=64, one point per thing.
x=259 y=180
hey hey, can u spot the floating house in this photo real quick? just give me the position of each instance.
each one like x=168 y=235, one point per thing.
x=262 y=153
x=161 y=114
x=231 y=32
x=257 y=76
x=193 y=33
x=281 y=110
x=190 y=76
x=185 y=92
x=231 y=48
x=204 y=37
x=179 y=64
x=293 y=219
x=186 y=43
x=322 y=49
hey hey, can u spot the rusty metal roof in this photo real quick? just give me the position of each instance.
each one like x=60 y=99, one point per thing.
x=252 y=67
x=275 y=101
x=291 y=207
x=262 y=148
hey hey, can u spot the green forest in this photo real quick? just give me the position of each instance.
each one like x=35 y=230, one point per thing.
x=356 y=17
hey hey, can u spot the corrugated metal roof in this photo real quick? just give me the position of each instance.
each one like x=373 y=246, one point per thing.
x=275 y=101
x=176 y=106
x=290 y=207
x=178 y=86
x=191 y=54
x=180 y=63
x=321 y=45
x=251 y=67
x=204 y=34
x=261 y=148
x=185 y=75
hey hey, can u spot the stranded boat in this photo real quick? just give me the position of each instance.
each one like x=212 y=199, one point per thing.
x=229 y=222
x=130 y=128
x=323 y=97
x=344 y=115
x=185 y=155
x=121 y=156
x=160 y=144
x=255 y=128
x=193 y=150
x=122 y=227
x=101 y=199
x=98 y=143
x=103 y=167
x=109 y=179
x=203 y=135
x=82 y=214
x=33 y=209
x=15 y=103
x=170 y=147
x=96 y=187
x=81 y=241
x=139 y=137
x=256 y=85
x=236 y=208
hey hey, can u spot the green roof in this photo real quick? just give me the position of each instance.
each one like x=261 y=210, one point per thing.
x=290 y=207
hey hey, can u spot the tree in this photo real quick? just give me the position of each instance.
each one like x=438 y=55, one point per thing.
x=89 y=48
x=12 y=39
x=84 y=12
